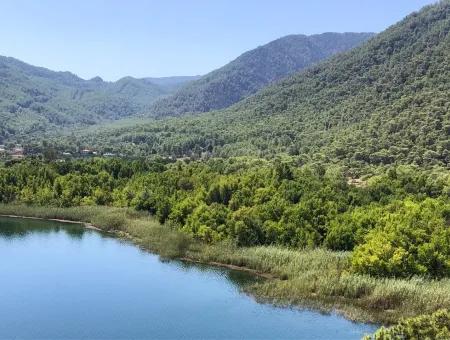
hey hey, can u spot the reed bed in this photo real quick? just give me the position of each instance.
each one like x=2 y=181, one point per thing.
x=316 y=278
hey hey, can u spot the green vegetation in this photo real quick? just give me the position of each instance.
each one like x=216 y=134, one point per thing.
x=434 y=326
x=346 y=203
x=412 y=239
x=317 y=278
x=35 y=100
x=396 y=223
x=383 y=103
x=137 y=226
x=254 y=70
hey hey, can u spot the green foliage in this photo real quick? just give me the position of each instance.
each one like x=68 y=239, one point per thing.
x=382 y=107
x=397 y=222
x=408 y=239
x=207 y=222
x=253 y=70
x=175 y=245
x=322 y=278
x=316 y=278
x=382 y=103
x=36 y=100
x=434 y=326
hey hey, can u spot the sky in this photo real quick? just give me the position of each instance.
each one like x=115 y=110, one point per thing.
x=154 y=38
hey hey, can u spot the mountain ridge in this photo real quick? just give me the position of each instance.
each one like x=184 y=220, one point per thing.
x=384 y=102
x=34 y=99
x=254 y=70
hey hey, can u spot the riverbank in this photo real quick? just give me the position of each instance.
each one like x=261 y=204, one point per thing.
x=317 y=278
x=86 y=225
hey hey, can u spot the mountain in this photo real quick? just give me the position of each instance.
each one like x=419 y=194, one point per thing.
x=34 y=99
x=254 y=70
x=386 y=101
x=171 y=84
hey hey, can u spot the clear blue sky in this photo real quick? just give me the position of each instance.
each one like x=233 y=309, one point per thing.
x=113 y=38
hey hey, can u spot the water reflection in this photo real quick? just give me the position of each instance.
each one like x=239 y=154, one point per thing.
x=239 y=278
x=63 y=281
x=12 y=228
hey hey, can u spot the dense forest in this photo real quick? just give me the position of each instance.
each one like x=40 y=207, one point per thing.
x=382 y=103
x=396 y=222
x=348 y=156
x=380 y=110
x=254 y=70
x=35 y=99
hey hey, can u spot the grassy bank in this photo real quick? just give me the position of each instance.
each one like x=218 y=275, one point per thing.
x=316 y=278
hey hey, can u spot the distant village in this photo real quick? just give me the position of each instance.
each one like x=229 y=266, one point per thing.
x=18 y=152
x=14 y=153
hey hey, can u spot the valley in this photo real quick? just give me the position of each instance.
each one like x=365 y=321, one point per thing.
x=318 y=162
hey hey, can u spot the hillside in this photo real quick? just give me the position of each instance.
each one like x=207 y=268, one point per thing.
x=35 y=99
x=254 y=70
x=171 y=84
x=384 y=102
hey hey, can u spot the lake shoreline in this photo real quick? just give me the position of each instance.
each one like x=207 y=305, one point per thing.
x=86 y=225
x=130 y=237
x=94 y=278
x=231 y=267
x=313 y=279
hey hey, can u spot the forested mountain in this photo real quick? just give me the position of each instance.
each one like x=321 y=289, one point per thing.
x=255 y=69
x=35 y=99
x=171 y=83
x=384 y=102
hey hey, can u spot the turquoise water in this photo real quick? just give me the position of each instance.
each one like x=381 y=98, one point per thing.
x=62 y=281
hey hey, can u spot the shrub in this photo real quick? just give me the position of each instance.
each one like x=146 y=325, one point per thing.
x=413 y=239
x=175 y=245
x=434 y=326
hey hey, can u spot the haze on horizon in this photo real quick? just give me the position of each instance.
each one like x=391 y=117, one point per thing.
x=113 y=39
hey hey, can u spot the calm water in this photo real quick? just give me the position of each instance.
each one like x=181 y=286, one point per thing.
x=62 y=281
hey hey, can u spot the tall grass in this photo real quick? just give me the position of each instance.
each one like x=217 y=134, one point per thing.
x=315 y=278
x=137 y=226
x=322 y=279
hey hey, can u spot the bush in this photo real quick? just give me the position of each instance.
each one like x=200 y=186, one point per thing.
x=115 y=220
x=412 y=239
x=434 y=326
x=175 y=245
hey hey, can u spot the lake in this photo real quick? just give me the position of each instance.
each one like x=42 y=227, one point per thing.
x=63 y=281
